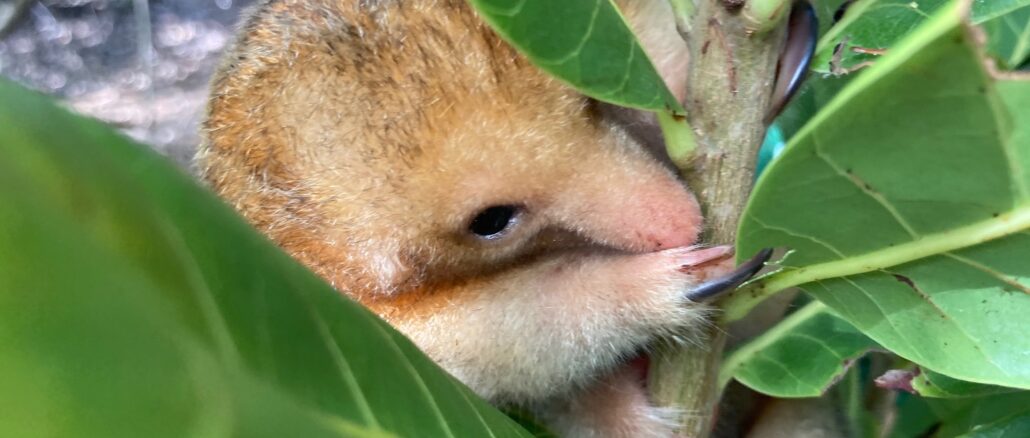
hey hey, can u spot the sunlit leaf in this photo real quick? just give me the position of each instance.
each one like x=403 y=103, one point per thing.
x=906 y=202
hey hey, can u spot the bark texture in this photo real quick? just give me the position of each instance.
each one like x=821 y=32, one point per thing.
x=730 y=82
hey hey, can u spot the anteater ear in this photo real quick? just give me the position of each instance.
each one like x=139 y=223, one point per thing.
x=654 y=23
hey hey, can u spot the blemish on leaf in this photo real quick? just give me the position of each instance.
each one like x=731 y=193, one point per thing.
x=905 y=280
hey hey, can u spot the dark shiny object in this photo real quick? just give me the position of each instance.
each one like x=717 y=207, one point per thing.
x=744 y=272
x=494 y=221
x=798 y=51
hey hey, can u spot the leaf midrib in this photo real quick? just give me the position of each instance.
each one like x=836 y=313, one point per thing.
x=928 y=245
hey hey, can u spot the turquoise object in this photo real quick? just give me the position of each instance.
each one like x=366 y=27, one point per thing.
x=771 y=148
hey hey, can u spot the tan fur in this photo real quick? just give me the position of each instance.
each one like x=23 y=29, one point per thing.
x=363 y=136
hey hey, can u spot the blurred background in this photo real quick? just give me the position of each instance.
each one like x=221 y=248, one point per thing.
x=142 y=66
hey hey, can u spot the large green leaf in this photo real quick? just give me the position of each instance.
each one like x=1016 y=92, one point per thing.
x=586 y=43
x=134 y=303
x=879 y=24
x=906 y=203
x=802 y=356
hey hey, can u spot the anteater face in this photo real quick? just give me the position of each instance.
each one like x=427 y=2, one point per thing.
x=386 y=161
x=411 y=158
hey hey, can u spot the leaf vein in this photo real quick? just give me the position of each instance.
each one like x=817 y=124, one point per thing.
x=865 y=188
x=343 y=366
x=582 y=42
x=797 y=234
x=990 y=271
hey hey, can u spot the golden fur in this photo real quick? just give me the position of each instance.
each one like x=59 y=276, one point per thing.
x=363 y=136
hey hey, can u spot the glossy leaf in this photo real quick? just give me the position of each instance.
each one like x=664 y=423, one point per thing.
x=802 y=356
x=906 y=203
x=134 y=303
x=586 y=43
x=879 y=24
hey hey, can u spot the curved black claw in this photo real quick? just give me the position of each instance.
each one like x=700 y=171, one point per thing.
x=728 y=282
x=797 y=54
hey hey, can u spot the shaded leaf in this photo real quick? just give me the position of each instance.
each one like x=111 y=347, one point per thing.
x=134 y=303
x=1009 y=37
x=802 y=356
x=915 y=417
x=927 y=383
x=817 y=91
x=921 y=417
x=963 y=417
x=1016 y=426
x=906 y=203
x=586 y=43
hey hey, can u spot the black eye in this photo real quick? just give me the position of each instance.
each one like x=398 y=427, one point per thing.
x=492 y=222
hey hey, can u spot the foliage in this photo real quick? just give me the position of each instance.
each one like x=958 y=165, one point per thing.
x=134 y=303
x=903 y=195
x=880 y=24
x=584 y=42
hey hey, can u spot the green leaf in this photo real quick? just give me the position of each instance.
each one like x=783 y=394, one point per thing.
x=816 y=93
x=802 y=356
x=879 y=24
x=915 y=417
x=1016 y=426
x=587 y=44
x=935 y=385
x=1009 y=37
x=906 y=203
x=134 y=303
x=989 y=415
x=967 y=417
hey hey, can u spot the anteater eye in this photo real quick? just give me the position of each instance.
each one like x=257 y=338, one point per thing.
x=493 y=222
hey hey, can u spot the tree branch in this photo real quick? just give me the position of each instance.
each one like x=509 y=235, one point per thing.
x=730 y=81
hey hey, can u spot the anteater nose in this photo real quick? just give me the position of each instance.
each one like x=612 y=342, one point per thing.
x=650 y=215
x=671 y=216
